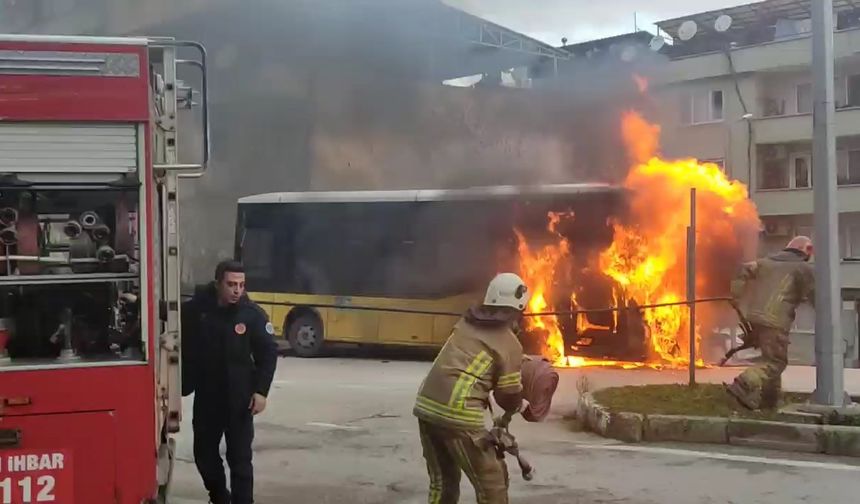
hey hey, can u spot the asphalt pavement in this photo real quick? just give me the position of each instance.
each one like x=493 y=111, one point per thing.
x=340 y=430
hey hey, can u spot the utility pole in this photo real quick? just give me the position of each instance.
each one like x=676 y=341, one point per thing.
x=829 y=371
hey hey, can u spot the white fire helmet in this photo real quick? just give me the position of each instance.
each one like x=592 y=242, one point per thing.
x=509 y=290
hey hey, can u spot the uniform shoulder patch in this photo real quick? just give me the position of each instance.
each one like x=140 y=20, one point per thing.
x=270 y=328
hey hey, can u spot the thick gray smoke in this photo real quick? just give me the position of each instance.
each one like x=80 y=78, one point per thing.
x=347 y=95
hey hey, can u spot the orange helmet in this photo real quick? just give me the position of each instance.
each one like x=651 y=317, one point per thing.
x=801 y=243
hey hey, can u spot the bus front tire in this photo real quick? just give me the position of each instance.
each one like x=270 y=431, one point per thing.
x=305 y=335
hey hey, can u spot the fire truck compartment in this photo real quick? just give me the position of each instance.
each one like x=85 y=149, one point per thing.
x=57 y=460
x=69 y=276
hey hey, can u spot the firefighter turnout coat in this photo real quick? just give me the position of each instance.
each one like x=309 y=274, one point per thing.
x=771 y=288
x=481 y=356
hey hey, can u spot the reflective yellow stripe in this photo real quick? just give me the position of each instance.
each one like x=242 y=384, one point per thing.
x=469 y=469
x=443 y=409
x=479 y=365
x=433 y=467
x=509 y=380
x=433 y=408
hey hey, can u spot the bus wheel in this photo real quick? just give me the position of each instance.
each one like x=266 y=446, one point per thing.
x=305 y=335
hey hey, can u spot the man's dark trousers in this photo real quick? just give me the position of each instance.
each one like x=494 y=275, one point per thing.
x=213 y=420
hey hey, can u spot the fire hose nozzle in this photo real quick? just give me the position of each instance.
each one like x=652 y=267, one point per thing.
x=73 y=229
x=9 y=236
x=8 y=216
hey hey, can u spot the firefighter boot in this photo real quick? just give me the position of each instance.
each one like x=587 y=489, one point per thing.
x=771 y=394
x=741 y=394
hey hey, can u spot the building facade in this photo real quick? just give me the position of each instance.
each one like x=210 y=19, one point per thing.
x=743 y=98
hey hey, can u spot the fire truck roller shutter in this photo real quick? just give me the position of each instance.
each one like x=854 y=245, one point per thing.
x=42 y=148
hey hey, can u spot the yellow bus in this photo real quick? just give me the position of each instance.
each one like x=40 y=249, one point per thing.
x=310 y=256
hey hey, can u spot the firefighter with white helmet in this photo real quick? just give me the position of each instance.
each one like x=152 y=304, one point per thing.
x=482 y=356
x=772 y=288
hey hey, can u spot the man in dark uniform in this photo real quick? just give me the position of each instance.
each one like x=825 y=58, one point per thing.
x=228 y=361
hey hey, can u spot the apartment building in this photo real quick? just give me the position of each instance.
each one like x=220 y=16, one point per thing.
x=741 y=96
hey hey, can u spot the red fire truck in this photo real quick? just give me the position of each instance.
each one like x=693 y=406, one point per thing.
x=89 y=264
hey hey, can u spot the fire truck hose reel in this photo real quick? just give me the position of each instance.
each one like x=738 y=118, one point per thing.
x=28 y=243
x=123 y=239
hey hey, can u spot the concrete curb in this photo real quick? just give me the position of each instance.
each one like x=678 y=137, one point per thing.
x=690 y=429
x=785 y=436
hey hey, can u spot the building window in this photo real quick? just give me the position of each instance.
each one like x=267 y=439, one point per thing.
x=853 y=85
x=804 y=98
x=702 y=106
x=852 y=241
x=774 y=174
x=801 y=171
x=785 y=170
x=848 y=163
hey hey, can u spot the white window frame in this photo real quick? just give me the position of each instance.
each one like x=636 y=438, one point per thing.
x=797 y=97
x=847 y=96
x=843 y=165
x=849 y=252
x=690 y=98
x=792 y=174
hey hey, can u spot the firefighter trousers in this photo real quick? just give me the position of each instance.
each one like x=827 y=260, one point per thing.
x=451 y=452
x=760 y=385
x=237 y=428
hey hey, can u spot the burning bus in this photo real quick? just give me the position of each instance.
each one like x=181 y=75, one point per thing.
x=396 y=267
x=313 y=258
x=643 y=264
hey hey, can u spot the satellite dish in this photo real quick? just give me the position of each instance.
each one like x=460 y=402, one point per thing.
x=723 y=23
x=657 y=43
x=688 y=30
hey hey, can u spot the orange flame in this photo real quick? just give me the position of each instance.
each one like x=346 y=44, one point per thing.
x=646 y=259
x=538 y=269
x=641 y=83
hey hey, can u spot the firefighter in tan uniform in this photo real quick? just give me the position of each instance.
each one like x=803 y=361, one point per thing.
x=482 y=355
x=773 y=287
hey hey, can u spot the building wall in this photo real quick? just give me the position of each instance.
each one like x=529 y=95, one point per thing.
x=767 y=83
